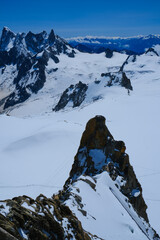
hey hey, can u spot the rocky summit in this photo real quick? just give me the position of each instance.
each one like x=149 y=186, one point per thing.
x=99 y=152
x=37 y=66
x=101 y=162
x=28 y=55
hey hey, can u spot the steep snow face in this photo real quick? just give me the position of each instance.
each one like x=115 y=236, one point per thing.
x=104 y=211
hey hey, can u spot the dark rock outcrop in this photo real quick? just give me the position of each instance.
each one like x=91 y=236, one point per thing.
x=39 y=219
x=99 y=151
x=50 y=218
x=74 y=94
x=125 y=82
x=6 y=37
x=30 y=54
x=118 y=78
x=152 y=52
x=109 y=53
x=129 y=59
x=36 y=42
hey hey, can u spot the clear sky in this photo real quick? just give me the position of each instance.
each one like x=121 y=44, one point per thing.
x=79 y=18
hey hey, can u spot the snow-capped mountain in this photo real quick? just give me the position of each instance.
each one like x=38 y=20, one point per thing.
x=130 y=45
x=23 y=60
x=49 y=90
x=44 y=68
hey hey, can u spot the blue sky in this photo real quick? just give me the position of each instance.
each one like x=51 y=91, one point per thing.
x=79 y=18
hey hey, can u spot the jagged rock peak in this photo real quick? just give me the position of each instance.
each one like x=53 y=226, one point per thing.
x=30 y=53
x=99 y=152
x=6 y=38
x=51 y=37
x=75 y=94
x=96 y=133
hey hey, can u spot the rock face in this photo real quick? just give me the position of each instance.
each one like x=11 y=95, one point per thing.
x=109 y=53
x=99 y=151
x=29 y=54
x=151 y=52
x=118 y=78
x=81 y=93
x=74 y=95
x=38 y=219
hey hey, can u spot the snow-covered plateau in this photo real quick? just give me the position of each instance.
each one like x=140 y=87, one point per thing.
x=38 y=145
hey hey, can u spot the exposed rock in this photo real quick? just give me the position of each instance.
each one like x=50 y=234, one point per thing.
x=75 y=94
x=7 y=37
x=151 y=52
x=109 y=53
x=118 y=78
x=99 y=151
x=50 y=218
x=51 y=38
x=125 y=82
x=39 y=219
x=128 y=60
x=36 y=42
x=30 y=54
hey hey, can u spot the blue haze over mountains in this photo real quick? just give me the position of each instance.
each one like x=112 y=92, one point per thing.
x=137 y=45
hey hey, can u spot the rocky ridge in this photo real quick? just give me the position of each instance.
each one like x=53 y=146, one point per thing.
x=28 y=61
x=99 y=151
x=39 y=219
x=75 y=95
x=29 y=55
x=51 y=218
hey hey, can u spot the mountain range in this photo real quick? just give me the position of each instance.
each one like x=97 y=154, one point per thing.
x=48 y=91
x=130 y=45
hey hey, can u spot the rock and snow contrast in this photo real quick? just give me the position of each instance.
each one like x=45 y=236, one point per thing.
x=102 y=191
x=48 y=91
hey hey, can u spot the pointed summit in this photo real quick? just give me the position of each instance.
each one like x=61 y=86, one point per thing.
x=7 y=39
x=36 y=42
x=99 y=152
x=51 y=38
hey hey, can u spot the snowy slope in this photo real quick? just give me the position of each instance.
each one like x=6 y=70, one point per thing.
x=104 y=211
x=38 y=146
x=35 y=144
x=83 y=67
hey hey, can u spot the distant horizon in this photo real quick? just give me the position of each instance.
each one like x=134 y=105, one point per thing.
x=79 y=36
x=72 y=18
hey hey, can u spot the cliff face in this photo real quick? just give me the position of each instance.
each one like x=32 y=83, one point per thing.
x=99 y=152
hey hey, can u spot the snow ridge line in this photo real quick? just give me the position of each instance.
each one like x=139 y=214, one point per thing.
x=130 y=214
